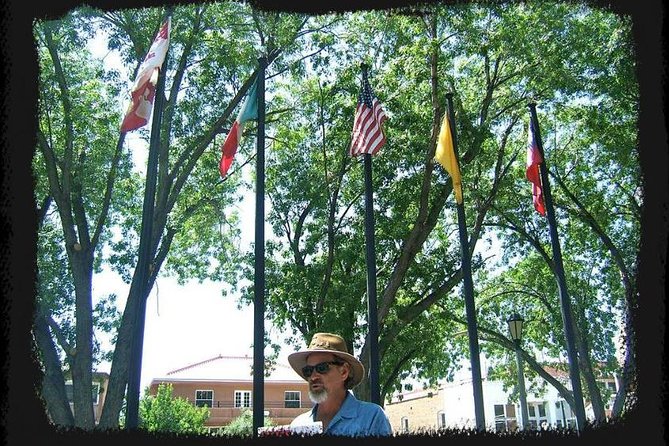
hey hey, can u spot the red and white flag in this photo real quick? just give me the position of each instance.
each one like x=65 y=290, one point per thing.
x=534 y=159
x=144 y=89
x=368 y=135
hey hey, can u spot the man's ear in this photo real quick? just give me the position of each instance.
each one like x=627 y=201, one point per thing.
x=346 y=370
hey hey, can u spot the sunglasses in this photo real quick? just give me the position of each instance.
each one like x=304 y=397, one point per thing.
x=322 y=368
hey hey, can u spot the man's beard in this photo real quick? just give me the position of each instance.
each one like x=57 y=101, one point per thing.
x=318 y=396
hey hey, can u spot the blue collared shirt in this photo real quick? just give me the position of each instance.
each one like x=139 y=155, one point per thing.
x=355 y=418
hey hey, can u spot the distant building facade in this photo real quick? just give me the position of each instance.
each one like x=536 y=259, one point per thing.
x=225 y=385
x=451 y=405
x=417 y=410
x=546 y=410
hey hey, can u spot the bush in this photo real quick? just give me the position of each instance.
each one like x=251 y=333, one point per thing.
x=164 y=413
x=242 y=426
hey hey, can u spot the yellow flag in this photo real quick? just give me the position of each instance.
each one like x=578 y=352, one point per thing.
x=446 y=157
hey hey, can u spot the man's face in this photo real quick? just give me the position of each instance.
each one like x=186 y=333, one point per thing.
x=321 y=384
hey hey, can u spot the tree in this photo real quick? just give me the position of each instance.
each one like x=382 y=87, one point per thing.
x=579 y=70
x=592 y=159
x=163 y=412
x=493 y=60
x=75 y=158
x=88 y=193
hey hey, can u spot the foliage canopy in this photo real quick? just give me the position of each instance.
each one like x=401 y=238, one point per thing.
x=580 y=70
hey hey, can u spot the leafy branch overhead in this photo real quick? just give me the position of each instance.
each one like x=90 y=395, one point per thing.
x=579 y=69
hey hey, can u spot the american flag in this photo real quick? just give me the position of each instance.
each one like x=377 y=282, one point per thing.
x=368 y=136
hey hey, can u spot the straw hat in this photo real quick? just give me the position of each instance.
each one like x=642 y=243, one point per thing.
x=328 y=343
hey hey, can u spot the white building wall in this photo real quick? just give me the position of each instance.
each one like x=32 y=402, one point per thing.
x=458 y=401
x=459 y=405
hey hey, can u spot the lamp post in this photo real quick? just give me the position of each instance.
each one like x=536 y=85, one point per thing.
x=516 y=329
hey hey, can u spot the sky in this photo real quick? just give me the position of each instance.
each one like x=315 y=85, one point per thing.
x=188 y=324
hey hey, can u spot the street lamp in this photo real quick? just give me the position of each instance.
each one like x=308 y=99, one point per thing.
x=515 y=323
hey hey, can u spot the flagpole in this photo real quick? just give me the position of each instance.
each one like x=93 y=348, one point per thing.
x=372 y=317
x=565 y=304
x=143 y=257
x=470 y=309
x=370 y=255
x=259 y=277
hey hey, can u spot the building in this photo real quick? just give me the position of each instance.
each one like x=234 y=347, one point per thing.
x=451 y=405
x=548 y=409
x=417 y=410
x=225 y=385
x=100 y=381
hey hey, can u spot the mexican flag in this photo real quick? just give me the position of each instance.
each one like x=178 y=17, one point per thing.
x=248 y=112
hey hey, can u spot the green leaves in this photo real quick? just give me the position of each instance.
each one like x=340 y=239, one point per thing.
x=494 y=59
x=242 y=426
x=163 y=412
x=576 y=62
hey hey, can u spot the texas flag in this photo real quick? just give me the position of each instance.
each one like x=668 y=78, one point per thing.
x=248 y=112
x=534 y=159
x=144 y=89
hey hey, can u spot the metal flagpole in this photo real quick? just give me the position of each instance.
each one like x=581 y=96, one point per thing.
x=135 y=370
x=469 y=291
x=565 y=304
x=259 y=277
x=370 y=255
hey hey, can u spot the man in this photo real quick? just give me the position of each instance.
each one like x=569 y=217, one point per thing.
x=331 y=371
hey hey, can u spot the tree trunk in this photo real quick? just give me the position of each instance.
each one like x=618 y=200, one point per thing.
x=82 y=356
x=627 y=385
x=118 y=376
x=629 y=282
x=362 y=391
x=585 y=365
x=53 y=382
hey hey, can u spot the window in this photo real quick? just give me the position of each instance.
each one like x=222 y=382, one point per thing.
x=204 y=398
x=291 y=399
x=505 y=418
x=242 y=398
x=565 y=415
x=537 y=415
x=441 y=419
x=69 y=391
x=500 y=419
x=404 y=422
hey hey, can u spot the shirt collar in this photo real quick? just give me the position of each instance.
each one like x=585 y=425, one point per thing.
x=348 y=409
